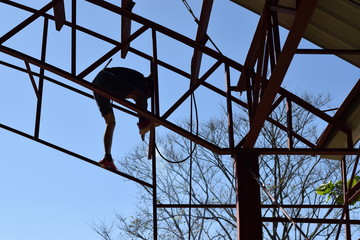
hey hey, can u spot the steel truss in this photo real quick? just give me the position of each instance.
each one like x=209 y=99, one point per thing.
x=264 y=52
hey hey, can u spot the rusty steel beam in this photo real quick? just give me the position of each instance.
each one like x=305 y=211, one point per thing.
x=301 y=20
x=192 y=88
x=252 y=54
x=201 y=38
x=307 y=220
x=328 y=51
x=31 y=76
x=125 y=103
x=289 y=123
x=262 y=151
x=155 y=105
x=345 y=211
x=162 y=205
x=85 y=94
x=126 y=26
x=302 y=103
x=59 y=14
x=175 y=35
x=248 y=205
x=41 y=78
x=27 y=21
x=73 y=36
x=229 y=108
x=301 y=151
x=301 y=206
x=72 y=154
x=109 y=40
x=166 y=31
x=118 y=47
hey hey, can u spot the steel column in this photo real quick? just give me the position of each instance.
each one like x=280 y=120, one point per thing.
x=248 y=203
x=201 y=38
x=155 y=109
x=346 y=213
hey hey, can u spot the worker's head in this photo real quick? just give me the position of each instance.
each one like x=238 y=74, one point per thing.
x=150 y=85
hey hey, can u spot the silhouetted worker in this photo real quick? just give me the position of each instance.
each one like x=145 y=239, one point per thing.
x=121 y=83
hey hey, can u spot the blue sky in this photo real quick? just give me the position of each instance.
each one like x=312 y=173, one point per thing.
x=46 y=194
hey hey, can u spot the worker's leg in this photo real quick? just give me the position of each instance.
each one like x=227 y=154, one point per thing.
x=109 y=131
x=144 y=123
x=141 y=102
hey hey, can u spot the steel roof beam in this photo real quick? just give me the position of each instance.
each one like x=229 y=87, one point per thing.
x=130 y=105
x=83 y=158
x=168 y=32
x=201 y=38
x=59 y=14
x=126 y=26
x=301 y=20
x=27 y=21
x=328 y=51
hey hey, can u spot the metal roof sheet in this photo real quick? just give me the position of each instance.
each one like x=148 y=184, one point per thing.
x=335 y=24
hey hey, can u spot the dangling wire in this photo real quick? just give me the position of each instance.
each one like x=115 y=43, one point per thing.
x=193 y=103
x=192 y=95
x=190 y=172
x=198 y=23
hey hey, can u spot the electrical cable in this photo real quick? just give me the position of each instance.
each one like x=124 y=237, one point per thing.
x=197 y=132
x=193 y=102
x=192 y=95
x=190 y=173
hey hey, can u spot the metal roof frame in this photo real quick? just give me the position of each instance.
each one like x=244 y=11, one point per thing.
x=265 y=51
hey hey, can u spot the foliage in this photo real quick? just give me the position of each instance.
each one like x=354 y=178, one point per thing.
x=335 y=190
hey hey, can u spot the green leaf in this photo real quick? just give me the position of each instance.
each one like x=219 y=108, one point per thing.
x=354 y=182
x=325 y=188
x=339 y=199
x=338 y=185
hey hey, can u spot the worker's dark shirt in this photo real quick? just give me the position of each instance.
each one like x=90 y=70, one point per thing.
x=122 y=81
x=119 y=82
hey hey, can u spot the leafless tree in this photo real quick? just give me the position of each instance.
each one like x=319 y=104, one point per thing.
x=207 y=178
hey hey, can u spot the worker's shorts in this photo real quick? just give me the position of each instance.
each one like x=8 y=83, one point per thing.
x=115 y=86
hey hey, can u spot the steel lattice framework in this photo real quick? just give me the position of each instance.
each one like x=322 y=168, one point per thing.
x=261 y=77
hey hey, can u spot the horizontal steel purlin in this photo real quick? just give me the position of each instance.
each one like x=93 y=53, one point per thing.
x=221 y=151
x=307 y=220
x=73 y=154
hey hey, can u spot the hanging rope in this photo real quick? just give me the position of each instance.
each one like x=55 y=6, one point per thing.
x=190 y=172
x=193 y=100
x=193 y=104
